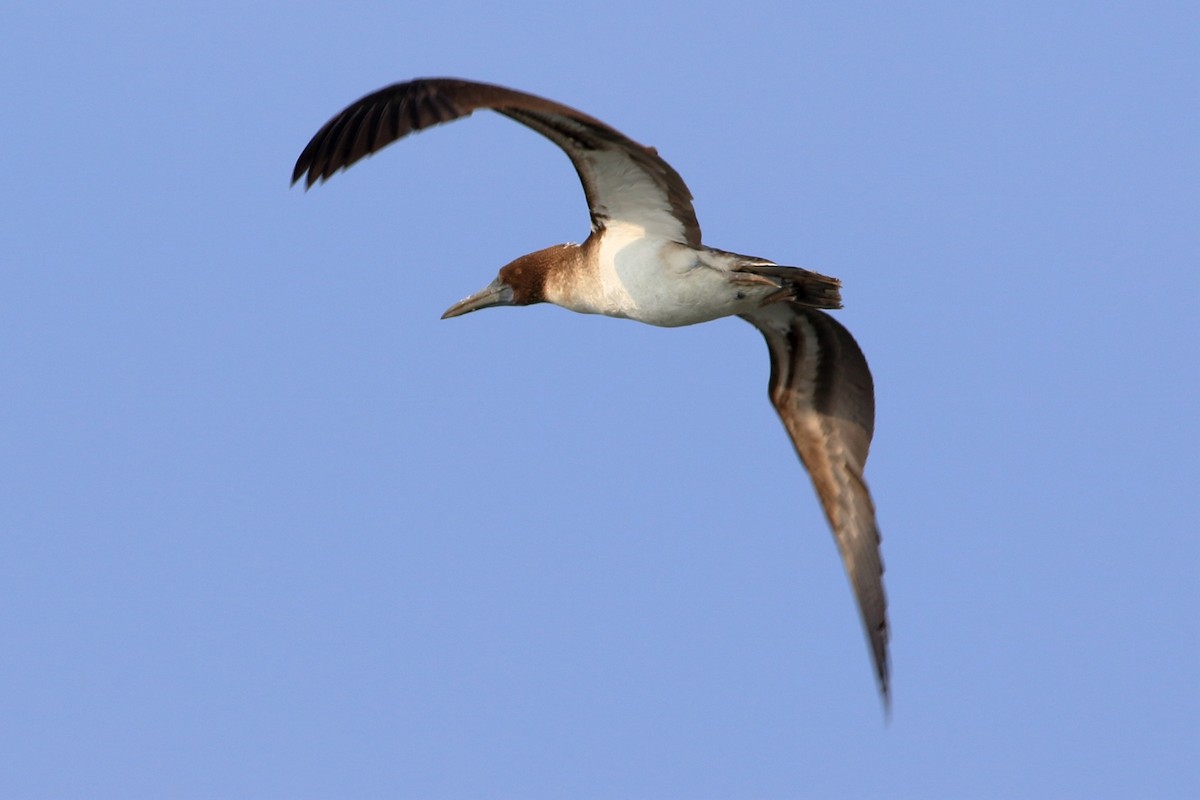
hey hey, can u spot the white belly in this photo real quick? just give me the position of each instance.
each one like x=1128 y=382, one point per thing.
x=661 y=283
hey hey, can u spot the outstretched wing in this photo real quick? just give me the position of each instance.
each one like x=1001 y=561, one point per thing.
x=625 y=182
x=822 y=389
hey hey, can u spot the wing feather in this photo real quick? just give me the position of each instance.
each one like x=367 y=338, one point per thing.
x=822 y=388
x=624 y=182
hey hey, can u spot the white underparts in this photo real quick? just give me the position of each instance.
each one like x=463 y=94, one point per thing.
x=656 y=281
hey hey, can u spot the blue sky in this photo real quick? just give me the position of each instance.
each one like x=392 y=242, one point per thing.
x=270 y=528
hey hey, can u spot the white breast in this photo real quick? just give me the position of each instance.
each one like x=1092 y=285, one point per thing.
x=658 y=282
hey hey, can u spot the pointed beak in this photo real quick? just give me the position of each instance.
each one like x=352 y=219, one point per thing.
x=496 y=294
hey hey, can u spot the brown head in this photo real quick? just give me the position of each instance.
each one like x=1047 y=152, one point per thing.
x=520 y=283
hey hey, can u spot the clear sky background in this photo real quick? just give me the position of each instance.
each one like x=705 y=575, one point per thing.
x=269 y=528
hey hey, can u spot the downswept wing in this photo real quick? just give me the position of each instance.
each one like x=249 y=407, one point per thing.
x=624 y=182
x=822 y=388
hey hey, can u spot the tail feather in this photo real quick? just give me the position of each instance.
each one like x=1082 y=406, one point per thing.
x=802 y=286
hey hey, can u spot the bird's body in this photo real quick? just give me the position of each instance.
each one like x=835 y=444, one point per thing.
x=630 y=274
x=644 y=261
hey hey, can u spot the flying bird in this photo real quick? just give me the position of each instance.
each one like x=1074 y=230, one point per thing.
x=643 y=260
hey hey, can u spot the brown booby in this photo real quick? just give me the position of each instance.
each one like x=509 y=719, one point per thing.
x=644 y=261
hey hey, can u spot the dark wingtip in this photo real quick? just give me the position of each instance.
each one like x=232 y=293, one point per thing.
x=885 y=692
x=307 y=169
x=302 y=166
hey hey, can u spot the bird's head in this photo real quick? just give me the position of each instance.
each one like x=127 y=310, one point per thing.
x=521 y=282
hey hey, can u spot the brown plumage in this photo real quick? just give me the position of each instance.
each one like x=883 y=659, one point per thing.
x=644 y=261
x=375 y=121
